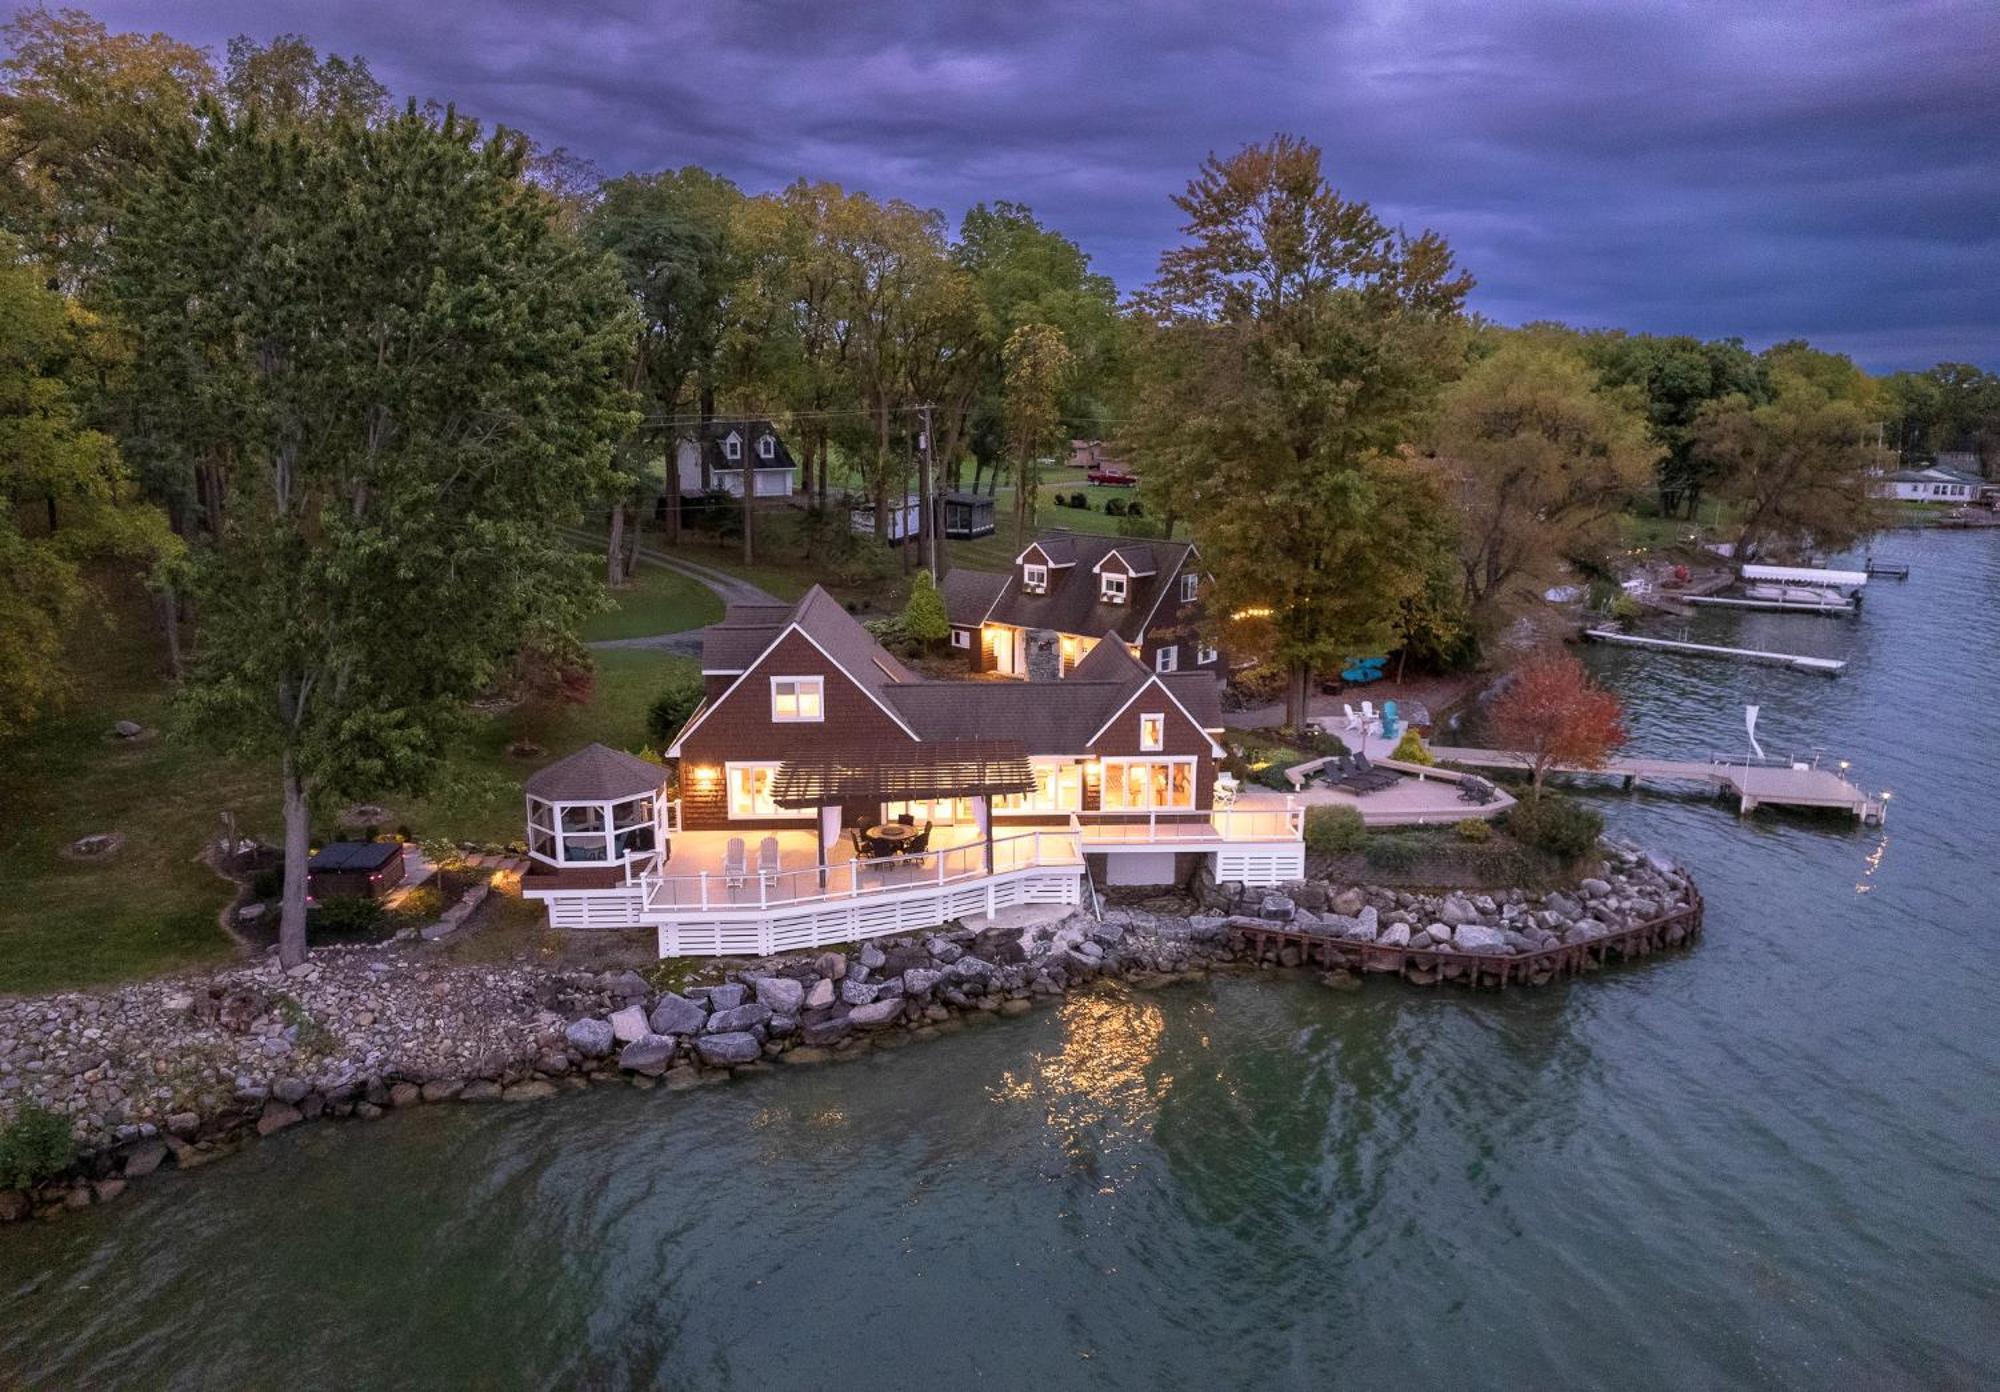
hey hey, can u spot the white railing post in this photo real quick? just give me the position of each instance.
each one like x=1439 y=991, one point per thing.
x=704 y=891
x=763 y=889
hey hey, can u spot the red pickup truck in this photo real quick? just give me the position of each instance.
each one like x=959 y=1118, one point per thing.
x=1112 y=476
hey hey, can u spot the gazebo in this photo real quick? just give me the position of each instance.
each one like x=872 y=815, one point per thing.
x=597 y=809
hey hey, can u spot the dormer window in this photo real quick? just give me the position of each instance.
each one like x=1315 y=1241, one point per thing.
x=1190 y=588
x=732 y=446
x=1035 y=579
x=1111 y=588
x=1152 y=733
x=767 y=448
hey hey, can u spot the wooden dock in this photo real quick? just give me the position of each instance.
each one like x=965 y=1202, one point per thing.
x=1825 y=666
x=1755 y=785
x=1894 y=570
x=1788 y=606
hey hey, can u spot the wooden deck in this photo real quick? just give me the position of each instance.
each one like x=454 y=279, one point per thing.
x=1755 y=785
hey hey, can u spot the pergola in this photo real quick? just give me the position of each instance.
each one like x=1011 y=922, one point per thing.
x=978 y=769
x=598 y=809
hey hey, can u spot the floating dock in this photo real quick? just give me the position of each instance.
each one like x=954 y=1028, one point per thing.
x=1755 y=785
x=1892 y=570
x=1789 y=606
x=1825 y=666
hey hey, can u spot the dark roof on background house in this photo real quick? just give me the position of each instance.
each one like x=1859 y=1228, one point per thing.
x=595 y=774
x=747 y=629
x=752 y=429
x=968 y=594
x=1072 y=605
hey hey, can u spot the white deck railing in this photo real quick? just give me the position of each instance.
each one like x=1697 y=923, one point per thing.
x=719 y=890
x=1186 y=825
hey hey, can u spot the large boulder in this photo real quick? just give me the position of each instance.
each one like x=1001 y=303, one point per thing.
x=1456 y=909
x=590 y=1037
x=870 y=956
x=630 y=1024
x=1477 y=937
x=831 y=965
x=858 y=992
x=830 y=1030
x=651 y=1054
x=725 y=997
x=628 y=985
x=1561 y=905
x=1348 y=902
x=1276 y=907
x=821 y=995
x=969 y=969
x=677 y=1015
x=943 y=949
x=1395 y=935
x=784 y=995
x=877 y=1016
x=722 y=1049
x=1595 y=888
x=742 y=1017
x=919 y=980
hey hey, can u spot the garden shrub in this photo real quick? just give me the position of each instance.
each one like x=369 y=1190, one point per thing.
x=1392 y=853
x=425 y=902
x=1558 y=826
x=1080 y=500
x=34 y=1146
x=349 y=919
x=1114 y=507
x=671 y=708
x=1134 y=509
x=1474 y=830
x=1410 y=748
x=1334 y=830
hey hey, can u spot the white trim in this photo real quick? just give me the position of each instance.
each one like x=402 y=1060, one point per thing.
x=1167 y=659
x=1047 y=559
x=702 y=712
x=732 y=447
x=1205 y=654
x=1104 y=593
x=767 y=448
x=961 y=637
x=1152 y=681
x=1190 y=587
x=1150 y=760
x=801 y=685
x=1032 y=585
x=1125 y=560
x=1158 y=743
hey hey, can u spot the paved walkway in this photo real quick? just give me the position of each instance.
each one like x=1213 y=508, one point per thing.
x=687 y=642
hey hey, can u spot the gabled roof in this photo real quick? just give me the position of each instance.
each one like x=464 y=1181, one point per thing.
x=1110 y=660
x=1072 y=604
x=595 y=774
x=1138 y=556
x=1058 y=549
x=749 y=429
x=969 y=594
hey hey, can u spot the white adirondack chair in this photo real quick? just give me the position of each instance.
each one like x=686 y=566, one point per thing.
x=1353 y=720
x=1368 y=716
x=734 y=871
x=767 y=856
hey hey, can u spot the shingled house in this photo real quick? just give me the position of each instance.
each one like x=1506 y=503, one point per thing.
x=824 y=793
x=713 y=458
x=1068 y=591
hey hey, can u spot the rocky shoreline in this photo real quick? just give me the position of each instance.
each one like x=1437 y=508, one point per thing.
x=182 y=1071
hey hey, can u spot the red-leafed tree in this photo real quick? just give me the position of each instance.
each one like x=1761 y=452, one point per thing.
x=1557 y=716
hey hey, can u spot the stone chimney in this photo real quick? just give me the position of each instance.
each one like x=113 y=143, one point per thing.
x=1044 y=655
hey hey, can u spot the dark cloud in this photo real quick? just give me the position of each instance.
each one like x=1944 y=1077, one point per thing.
x=1821 y=168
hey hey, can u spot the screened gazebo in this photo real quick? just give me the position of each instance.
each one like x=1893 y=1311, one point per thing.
x=598 y=809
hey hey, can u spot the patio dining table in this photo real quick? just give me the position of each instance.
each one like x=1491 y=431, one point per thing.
x=891 y=835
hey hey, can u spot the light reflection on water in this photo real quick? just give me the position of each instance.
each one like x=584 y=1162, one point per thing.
x=1767 y=1161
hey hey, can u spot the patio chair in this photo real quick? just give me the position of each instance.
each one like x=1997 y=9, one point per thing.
x=733 y=869
x=1353 y=719
x=905 y=819
x=767 y=856
x=1368 y=716
x=1475 y=790
x=1390 y=718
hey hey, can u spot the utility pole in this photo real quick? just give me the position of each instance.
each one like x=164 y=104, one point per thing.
x=926 y=506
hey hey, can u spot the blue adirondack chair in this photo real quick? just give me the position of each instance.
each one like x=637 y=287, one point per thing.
x=1389 y=718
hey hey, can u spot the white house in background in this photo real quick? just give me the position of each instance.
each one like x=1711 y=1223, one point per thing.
x=714 y=458
x=1932 y=485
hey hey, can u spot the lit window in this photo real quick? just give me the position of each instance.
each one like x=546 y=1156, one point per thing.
x=1152 y=733
x=1135 y=785
x=750 y=793
x=961 y=637
x=1112 y=591
x=1190 y=588
x=1035 y=579
x=767 y=448
x=1203 y=654
x=798 y=699
x=1167 y=659
x=732 y=448
x=1058 y=788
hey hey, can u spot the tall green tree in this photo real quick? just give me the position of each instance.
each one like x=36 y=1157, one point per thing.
x=1536 y=458
x=83 y=112
x=410 y=377
x=1039 y=367
x=1677 y=376
x=1297 y=345
x=65 y=499
x=288 y=80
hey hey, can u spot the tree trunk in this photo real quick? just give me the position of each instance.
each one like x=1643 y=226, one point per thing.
x=925 y=520
x=292 y=916
x=632 y=550
x=170 y=626
x=1298 y=685
x=673 y=493
x=614 y=549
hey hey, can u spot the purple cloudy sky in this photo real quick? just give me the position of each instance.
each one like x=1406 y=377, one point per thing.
x=1825 y=168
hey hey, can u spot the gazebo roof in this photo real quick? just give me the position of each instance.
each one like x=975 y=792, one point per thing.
x=596 y=774
x=942 y=768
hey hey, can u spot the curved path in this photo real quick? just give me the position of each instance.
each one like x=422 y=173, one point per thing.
x=686 y=642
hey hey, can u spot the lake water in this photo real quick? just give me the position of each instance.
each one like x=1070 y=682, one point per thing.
x=1770 y=1161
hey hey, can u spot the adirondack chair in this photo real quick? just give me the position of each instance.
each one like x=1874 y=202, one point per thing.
x=767 y=856
x=1390 y=717
x=734 y=871
x=1368 y=716
x=1353 y=719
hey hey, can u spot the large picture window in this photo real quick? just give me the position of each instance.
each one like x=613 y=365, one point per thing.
x=750 y=793
x=1139 y=785
x=1058 y=788
x=795 y=699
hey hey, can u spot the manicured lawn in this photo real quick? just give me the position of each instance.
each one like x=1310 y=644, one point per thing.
x=997 y=552
x=151 y=906
x=657 y=600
